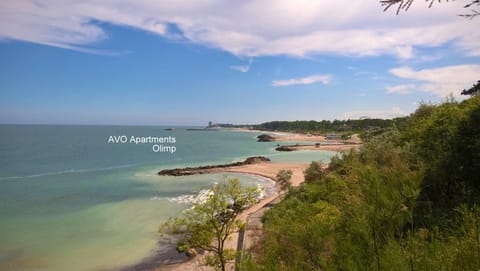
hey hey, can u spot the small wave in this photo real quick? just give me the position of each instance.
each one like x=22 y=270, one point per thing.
x=68 y=171
x=149 y=173
x=200 y=197
x=267 y=187
x=203 y=195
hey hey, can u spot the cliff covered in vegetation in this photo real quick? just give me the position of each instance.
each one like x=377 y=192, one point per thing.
x=408 y=200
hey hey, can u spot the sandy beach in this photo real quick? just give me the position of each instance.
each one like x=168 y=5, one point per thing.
x=300 y=137
x=284 y=136
x=323 y=147
x=263 y=169
x=354 y=139
x=268 y=170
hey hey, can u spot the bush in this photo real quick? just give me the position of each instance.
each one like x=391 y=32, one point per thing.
x=314 y=172
x=283 y=178
x=408 y=200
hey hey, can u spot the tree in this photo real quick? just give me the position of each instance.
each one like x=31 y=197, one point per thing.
x=405 y=5
x=475 y=90
x=208 y=225
x=283 y=178
x=314 y=172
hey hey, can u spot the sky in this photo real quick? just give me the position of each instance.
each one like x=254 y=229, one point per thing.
x=187 y=62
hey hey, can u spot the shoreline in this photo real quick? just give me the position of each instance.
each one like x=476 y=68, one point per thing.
x=170 y=260
x=294 y=136
x=322 y=147
x=261 y=169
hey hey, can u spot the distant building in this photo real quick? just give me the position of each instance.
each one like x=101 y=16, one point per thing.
x=210 y=124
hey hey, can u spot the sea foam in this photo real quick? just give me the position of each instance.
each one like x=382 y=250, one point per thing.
x=200 y=197
x=203 y=195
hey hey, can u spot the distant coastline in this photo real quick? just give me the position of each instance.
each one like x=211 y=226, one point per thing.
x=320 y=147
x=258 y=166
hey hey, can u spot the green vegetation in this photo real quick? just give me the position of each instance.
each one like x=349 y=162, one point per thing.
x=408 y=200
x=313 y=172
x=208 y=224
x=475 y=89
x=283 y=178
x=345 y=127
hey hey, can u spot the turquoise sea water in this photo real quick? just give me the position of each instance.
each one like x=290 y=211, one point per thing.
x=69 y=200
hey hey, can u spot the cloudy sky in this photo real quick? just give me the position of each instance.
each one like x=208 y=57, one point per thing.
x=186 y=62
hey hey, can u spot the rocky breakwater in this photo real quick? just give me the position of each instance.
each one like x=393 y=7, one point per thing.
x=211 y=168
x=284 y=148
x=265 y=138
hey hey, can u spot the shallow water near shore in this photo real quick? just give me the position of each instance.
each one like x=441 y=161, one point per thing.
x=71 y=201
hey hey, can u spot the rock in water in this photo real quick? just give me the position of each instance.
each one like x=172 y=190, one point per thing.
x=265 y=138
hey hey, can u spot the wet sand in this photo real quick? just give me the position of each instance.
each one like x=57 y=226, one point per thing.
x=268 y=170
x=263 y=169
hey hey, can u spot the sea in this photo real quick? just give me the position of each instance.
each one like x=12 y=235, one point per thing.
x=88 y=197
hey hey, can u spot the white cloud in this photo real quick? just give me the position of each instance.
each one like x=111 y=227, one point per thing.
x=394 y=112
x=404 y=52
x=248 y=28
x=441 y=81
x=318 y=78
x=401 y=89
x=241 y=68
